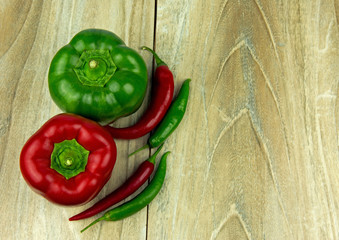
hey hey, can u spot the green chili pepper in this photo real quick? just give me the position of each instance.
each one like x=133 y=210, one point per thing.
x=139 y=202
x=171 y=120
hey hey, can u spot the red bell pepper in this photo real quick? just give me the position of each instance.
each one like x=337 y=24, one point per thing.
x=68 y=160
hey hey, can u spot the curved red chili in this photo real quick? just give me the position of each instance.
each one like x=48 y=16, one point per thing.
x=161 y=98
x=141 y=200
x=132 y=184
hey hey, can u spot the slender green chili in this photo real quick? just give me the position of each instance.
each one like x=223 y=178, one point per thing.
x=171 y=120
x=140 y=201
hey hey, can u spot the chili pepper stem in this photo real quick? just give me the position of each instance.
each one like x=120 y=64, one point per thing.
x=138 y=150
x=154 y=156
x=94 y=222
x=156 y=57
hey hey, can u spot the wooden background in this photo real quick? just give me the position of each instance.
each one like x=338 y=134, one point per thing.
x=256 y=156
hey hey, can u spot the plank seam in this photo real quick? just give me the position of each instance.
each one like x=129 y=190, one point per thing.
x=153 y=66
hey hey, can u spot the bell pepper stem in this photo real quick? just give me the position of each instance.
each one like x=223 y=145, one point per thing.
x=138 y=150
x=94 y=222
x=93 y=64
x=69 y=158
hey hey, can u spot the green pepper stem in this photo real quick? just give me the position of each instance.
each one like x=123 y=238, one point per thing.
x=95 y=67
x=156 y=57
x=154 y=156
x=93 y=64
x=94 y=222
x=138 y=150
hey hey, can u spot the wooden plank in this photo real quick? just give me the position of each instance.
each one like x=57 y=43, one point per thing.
x=31 y=33
x=256 y=156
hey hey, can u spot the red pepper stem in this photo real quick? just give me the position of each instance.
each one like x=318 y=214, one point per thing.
x=138 y=150
x=156 y=57
x=154 y=156
x=69 y=158
x=94 y=222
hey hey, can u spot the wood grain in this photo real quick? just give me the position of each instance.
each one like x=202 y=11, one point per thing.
x=46 y=27
x=256 y=156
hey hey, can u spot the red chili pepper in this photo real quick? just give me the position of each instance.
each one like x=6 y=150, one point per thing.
x=132 y=184
x=68 y=160
x=162 y=95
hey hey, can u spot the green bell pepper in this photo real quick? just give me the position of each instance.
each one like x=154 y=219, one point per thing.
x=97 y=76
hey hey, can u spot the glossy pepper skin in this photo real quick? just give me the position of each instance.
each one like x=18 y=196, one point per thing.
x=141 y=200
x=171 y=121
x=162 y=95
x=132 y=184
x=97 y=76
x=76 y=146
